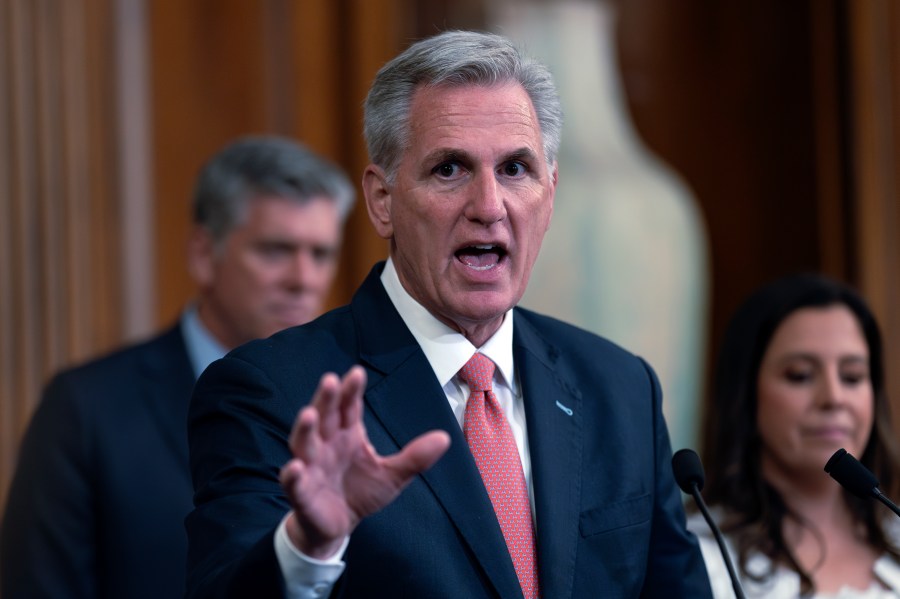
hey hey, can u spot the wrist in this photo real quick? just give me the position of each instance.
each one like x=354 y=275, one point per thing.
x=322 y=549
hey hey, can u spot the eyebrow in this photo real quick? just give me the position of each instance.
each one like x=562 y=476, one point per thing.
x=811 y=357
x=446 y=155
x=521 y=153
x=854 y=358
x=457 y=155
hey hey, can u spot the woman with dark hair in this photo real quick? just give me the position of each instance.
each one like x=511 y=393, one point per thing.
x=800 y=375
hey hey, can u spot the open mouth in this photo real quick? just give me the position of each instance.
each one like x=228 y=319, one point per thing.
x=481 y=257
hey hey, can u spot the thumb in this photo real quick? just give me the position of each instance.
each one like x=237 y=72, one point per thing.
x=420 y=454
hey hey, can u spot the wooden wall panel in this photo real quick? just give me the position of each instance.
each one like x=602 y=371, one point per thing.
x=59 y=266
x=207 y=86
x=874 y=60
x=136 y=188
x=311 y=85
x=9 y=421
x=830 y=113
x=374 y=33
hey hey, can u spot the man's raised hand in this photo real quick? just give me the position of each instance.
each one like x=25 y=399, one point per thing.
x=336 y=478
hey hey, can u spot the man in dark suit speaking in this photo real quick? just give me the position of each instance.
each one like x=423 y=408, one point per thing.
x=472 y=449
x=97 y=505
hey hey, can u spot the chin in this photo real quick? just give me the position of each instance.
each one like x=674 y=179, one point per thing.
x=486 y=312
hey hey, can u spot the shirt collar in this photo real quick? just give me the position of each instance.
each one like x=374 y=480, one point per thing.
x=447 y=350
x=202 y=348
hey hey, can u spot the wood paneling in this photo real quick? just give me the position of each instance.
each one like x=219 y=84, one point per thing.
x=208 y=85
x=374 y=34
x=874 y=82
x=831 y=115
x=59 y=262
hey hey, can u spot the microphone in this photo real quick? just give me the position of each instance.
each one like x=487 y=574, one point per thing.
x=856 y=478
x=689 y=476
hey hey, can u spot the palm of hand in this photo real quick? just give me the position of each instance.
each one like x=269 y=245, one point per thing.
x=336 y=478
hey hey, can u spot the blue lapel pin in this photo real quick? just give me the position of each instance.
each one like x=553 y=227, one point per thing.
x=568 y=411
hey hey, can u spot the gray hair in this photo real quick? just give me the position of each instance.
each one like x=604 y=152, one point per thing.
x=453 y=58
x=264 y=165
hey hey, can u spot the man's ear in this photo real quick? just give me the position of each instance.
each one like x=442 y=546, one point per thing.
x=378 y=200
x=201 y=256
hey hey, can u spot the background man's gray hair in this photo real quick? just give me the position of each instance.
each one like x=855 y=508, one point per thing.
x=453 y=58
x=264 y=165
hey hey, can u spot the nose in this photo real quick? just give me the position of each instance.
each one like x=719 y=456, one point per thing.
x=486 y=203
x=300 y=272
x=830 y=393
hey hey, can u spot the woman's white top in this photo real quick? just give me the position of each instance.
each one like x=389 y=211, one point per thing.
x=784 y=583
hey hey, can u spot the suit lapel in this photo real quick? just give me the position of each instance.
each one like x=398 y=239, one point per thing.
x=555 y=438
x=404 y=396
x=166 y=381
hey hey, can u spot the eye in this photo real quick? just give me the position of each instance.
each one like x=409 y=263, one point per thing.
x=514 y=168
x=854 y=377
x=273 y=250
x=447 y=170
x=323 y=254
x=798 y=376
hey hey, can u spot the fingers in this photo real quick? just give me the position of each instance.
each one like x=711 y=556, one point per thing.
x=351 y=399
x=339 y=402
x=290 y=476
x=327 y=401
x=419 y=455
x=336 y=405
x=304 y=438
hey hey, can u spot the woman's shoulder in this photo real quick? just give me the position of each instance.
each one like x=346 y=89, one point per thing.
x=777 y=583
x=887 y=570
x=697 y=524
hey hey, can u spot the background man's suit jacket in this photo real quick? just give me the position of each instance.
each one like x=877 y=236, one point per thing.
x=609 y=516
x=97 y=505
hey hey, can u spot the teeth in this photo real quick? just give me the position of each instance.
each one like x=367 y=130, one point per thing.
x=483 y=247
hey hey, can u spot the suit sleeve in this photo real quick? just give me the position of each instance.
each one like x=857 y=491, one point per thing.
x=675 y=567
x=48 y=530
x=238 y=427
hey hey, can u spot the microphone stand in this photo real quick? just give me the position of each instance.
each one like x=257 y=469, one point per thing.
x=698 y=499
x=877 y=494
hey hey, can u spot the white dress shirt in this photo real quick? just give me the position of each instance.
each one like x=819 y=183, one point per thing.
x=447 y=352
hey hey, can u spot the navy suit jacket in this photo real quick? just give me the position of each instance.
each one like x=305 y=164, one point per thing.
x=609 y=516
x=97 y=504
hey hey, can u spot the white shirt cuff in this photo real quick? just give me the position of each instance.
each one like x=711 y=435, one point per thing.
x=306 y=577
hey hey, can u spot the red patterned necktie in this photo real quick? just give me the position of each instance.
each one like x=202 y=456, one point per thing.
x=491 y=440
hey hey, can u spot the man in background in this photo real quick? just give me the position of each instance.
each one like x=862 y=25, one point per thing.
x=97 y=504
